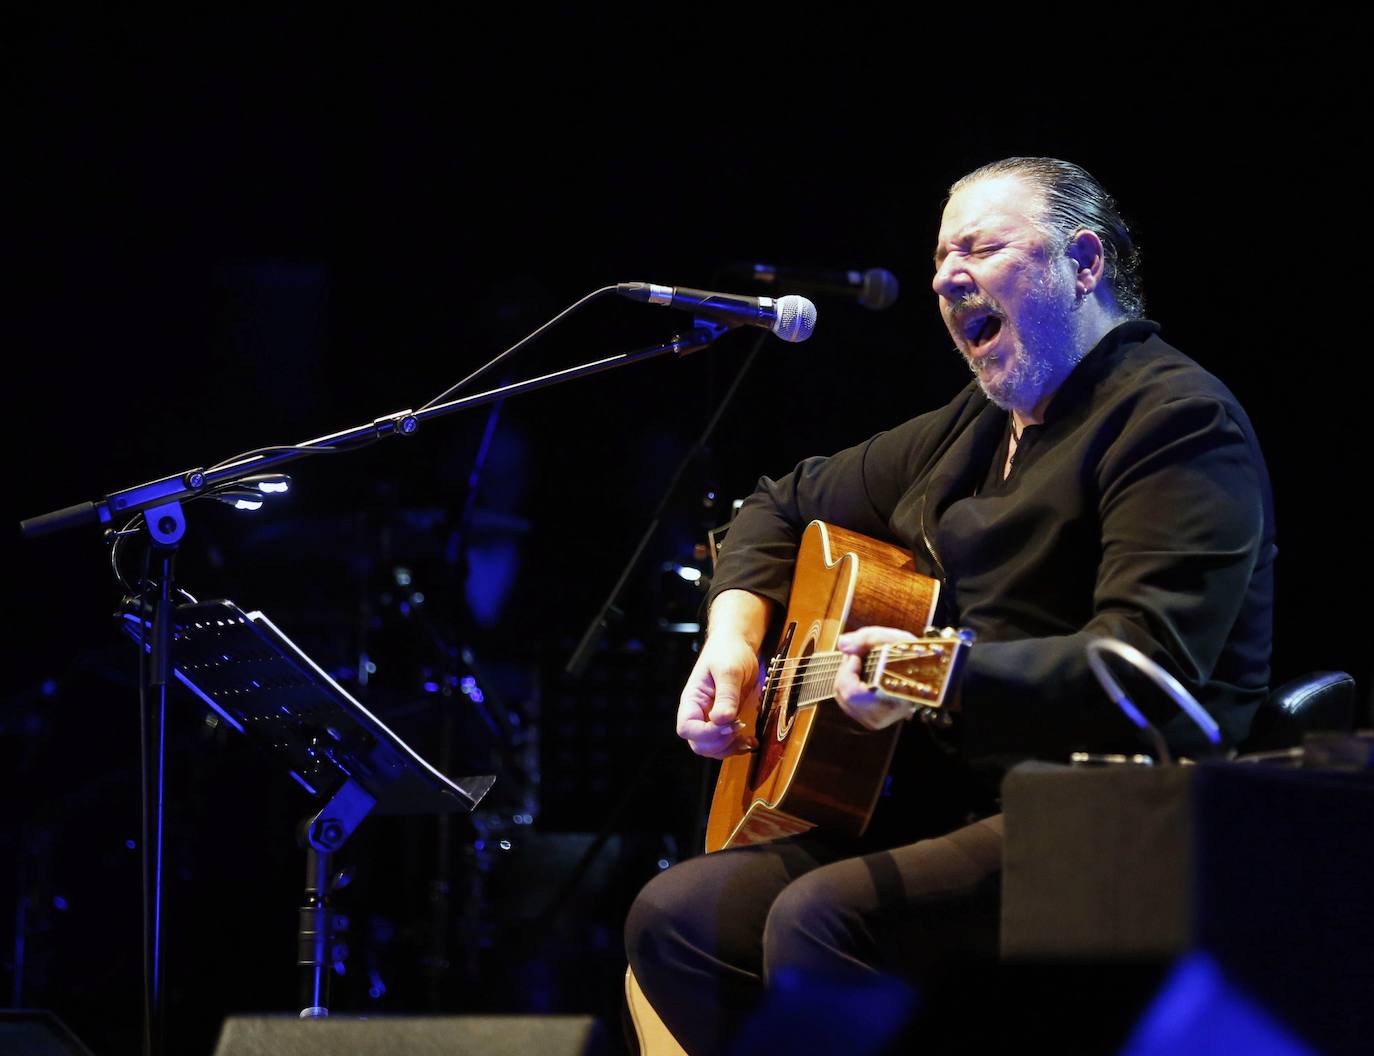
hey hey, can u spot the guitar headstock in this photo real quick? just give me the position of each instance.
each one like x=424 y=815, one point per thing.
x=921 y=672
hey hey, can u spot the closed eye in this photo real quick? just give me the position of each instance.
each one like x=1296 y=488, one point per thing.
x=968 y=249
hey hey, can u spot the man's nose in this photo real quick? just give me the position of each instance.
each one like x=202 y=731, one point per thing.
x=952 y=280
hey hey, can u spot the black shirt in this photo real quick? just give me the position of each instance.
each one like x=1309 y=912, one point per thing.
x=1140 y=509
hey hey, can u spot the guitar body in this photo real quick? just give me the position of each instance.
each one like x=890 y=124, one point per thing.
x=815 y=765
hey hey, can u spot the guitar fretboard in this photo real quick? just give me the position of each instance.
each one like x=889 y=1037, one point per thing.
x=814 y=675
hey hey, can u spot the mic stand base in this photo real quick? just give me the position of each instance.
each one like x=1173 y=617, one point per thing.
x=322 y=835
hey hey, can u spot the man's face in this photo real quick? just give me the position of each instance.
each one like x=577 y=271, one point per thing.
x=1006 y=296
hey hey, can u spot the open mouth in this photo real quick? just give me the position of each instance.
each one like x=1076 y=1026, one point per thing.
x=981 y=330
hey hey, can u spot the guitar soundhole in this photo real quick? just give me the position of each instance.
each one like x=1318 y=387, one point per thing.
x=771 y=692
x=794 y=691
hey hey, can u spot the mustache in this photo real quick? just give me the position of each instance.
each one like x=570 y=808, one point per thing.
x=971 y=304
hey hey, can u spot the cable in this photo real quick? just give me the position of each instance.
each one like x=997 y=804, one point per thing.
x=308 y=448
x=519 y=344
x=120 y=537
x=332 y=450
x=1186 y=702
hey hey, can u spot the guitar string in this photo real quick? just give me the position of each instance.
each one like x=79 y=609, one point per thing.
x=895 y=651
x=925 y=645
x=830 y=659
x=821 y=675
x=817 y=673
x=810 y=671
x=834 y=658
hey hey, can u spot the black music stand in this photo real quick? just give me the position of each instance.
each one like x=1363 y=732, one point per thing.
x=260 y=682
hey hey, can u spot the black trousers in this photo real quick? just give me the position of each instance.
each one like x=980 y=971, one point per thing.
x=706 y=937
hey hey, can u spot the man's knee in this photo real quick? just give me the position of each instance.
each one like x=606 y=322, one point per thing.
x=811 y=919
x=685 y=916
x=652 y=917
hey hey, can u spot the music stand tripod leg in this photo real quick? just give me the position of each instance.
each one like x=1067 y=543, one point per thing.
x=322 y=835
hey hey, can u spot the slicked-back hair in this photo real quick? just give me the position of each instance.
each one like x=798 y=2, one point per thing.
x=1074 y=200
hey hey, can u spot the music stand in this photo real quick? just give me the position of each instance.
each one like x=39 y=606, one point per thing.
x=260 y=682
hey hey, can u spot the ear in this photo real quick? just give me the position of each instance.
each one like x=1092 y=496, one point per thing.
x=1089 y=260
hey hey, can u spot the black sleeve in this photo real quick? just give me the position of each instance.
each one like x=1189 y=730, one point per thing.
x=856 y=489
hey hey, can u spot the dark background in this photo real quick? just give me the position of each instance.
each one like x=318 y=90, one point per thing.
x=222 y=236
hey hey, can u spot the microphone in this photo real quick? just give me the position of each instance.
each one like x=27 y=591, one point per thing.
x=792 y=318
x=875 y=288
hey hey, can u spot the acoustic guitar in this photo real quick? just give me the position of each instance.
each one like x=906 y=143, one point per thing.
x=814 y=765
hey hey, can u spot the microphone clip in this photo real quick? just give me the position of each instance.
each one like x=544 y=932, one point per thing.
x=703 y=334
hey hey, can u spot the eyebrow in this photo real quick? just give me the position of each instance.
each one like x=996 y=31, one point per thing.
x=966 y=235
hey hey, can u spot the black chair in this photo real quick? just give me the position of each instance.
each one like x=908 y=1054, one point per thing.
x=1320 y=702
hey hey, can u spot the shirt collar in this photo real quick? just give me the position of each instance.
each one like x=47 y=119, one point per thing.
x=1097 y=363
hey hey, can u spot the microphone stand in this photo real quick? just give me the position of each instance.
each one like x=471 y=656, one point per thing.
x=596 y=630
x=154 y=672
x=160 y=501
x=591 y=637
x=157 y=498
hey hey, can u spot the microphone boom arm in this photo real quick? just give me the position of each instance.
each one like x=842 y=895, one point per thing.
x=195 y=483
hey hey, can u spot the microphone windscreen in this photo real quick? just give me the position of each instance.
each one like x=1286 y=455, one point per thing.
x=796 y=318
x=880 y=289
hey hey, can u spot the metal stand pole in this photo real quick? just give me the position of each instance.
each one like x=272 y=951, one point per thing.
x=321 y=835
x=314 y=943
x=166 y=524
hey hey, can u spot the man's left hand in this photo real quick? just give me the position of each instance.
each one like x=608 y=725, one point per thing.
x=856 y=698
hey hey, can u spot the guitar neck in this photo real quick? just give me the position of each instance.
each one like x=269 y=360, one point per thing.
x=815 y=674
x=917 y=670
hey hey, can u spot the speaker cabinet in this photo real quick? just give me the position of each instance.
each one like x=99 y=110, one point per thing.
x=37 y=1034
x=412 y=1036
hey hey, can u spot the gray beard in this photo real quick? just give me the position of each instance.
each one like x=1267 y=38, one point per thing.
x=1048 y=357
x=1034 y=375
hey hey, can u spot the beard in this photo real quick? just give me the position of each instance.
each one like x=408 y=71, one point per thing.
x=1042 y=350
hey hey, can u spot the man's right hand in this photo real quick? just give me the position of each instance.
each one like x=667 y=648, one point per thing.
x=725 y=676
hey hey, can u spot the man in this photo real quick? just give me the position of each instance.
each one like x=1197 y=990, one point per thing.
x=1092 y=481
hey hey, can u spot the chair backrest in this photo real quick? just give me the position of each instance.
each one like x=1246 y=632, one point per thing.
x=1321 y=701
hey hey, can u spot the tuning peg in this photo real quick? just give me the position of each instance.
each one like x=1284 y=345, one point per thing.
x=937 y=717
